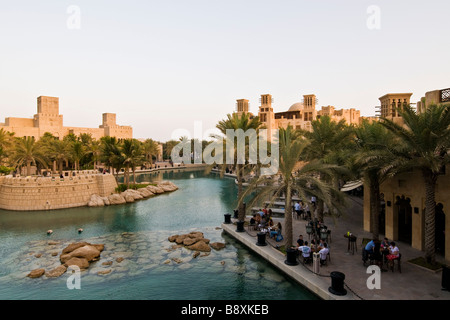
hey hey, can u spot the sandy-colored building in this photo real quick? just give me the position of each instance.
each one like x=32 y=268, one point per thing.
x=299 y=115
x=403 y=215
x=49 y=120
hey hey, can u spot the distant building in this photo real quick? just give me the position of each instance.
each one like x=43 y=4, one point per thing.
x=49 y=120
x=299 y=115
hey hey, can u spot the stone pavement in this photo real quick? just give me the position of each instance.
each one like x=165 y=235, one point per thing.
x=413 y=283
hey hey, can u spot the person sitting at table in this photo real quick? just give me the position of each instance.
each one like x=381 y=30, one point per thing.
x=257 y=220
x=270 y=222
x=324 y=253
x=322 y=244
x=275 y=231
x=394 y=253
x=306 y=251
x=300 y=241
x=377 y=255
x=385 y=248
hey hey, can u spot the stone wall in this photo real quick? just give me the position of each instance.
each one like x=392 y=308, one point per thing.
x=46 y=193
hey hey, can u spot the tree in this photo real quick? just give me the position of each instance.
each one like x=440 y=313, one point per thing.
x=238 y=122
x=77 y=152
x=59 y=151
x=373 y=152
x=294 y=177
x=423 y=145
x=329 y=140
x=110 y=153
x=6 y=143
x=27 y=152
x=132 y=156
x=150 y=149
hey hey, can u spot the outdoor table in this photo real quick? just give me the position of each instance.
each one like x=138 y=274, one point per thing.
x=351 y=243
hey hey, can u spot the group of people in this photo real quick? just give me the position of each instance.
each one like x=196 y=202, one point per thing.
x=263 y=221
x=381 y=251
x=303 y=209
x=306 y=249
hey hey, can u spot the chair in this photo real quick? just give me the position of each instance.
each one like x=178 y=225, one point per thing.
x=399 y=265
x=252 y=226
x=307 y=260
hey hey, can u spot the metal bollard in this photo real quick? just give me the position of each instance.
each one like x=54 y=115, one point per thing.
x=337 y=283
x=291 y=257
x=316 y=260
x=261 y=239
x=227 y=218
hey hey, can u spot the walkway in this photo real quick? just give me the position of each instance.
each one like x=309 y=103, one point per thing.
x=413 y=283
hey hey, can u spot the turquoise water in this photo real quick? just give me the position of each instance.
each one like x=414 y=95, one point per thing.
x=138 y=232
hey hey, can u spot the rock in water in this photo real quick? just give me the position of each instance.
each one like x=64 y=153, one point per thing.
x=217 y=245
x=36 y=273
x=57 y=272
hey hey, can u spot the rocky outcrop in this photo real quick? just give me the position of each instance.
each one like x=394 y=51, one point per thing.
x=81 y=254
x=96 y=201
x=195 y=241
x=116 y=199
x=131 y=195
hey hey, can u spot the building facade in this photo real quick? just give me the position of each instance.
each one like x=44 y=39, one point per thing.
x=48 y=119
x=403 y=214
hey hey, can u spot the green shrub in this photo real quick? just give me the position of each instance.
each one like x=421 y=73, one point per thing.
x=5 y=170
x=122 y=187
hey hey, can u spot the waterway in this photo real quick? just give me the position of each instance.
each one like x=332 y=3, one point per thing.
x=138 y=233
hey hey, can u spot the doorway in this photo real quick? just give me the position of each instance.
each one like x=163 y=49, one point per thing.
x=440 y=229
x=404 y=214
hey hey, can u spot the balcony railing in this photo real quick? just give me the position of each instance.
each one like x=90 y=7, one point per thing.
x=445 y=95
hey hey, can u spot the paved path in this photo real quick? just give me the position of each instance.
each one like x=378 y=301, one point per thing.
x=413 y=283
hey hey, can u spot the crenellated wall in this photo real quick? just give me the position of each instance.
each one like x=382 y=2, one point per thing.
x=46 y=193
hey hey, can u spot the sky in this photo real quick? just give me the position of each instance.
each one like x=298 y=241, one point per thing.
x=162 y=66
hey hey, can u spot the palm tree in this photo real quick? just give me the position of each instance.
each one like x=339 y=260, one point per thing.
x=111 y=154
x=302 y=180
x=93 y=151
x=329 y=142
x=27 y=152
x=372 y=153
x=150 y=149
x=6 y=142
x=77 y=152
x=58 y=150
x=424 y=143
x=245 y=123
x=132 y=156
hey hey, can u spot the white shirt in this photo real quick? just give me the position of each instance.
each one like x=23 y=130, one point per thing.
x=394 y=251
x=305 y=251
x=323 y=253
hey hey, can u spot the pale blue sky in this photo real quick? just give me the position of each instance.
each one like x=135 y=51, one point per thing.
x=161 y=65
